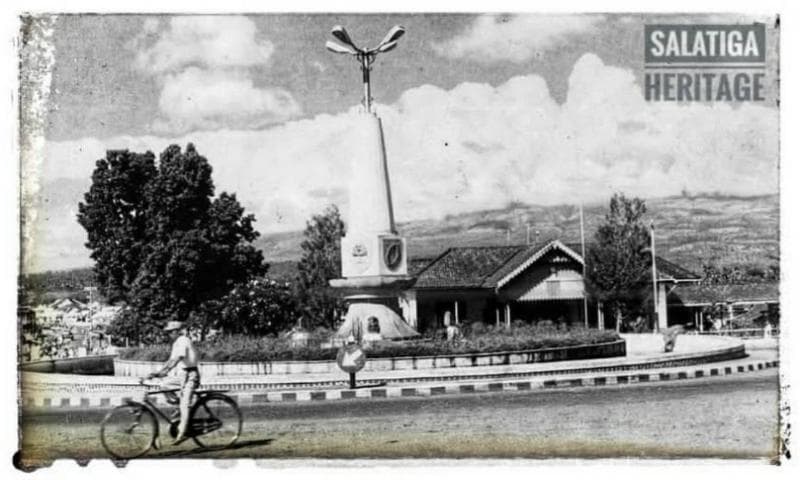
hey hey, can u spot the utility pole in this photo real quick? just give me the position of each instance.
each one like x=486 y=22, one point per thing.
x=655 y=276
x=583 y=256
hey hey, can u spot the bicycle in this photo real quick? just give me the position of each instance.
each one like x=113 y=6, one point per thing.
x=130 y=430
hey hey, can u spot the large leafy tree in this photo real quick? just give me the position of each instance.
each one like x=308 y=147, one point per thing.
x=321 y=262
x=162 y=242
x=114 y=217
x=618 y=260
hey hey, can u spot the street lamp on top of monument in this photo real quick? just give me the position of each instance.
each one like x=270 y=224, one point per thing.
x=364 y=56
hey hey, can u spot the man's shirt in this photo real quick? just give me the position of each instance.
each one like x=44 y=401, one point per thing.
x=184 y=350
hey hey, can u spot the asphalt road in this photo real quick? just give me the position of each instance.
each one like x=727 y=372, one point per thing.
x=728 y=417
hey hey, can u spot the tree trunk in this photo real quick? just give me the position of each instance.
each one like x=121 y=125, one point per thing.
x=618 y=317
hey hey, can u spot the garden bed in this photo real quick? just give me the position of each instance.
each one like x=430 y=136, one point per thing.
x=251 y=356
x=237 y=348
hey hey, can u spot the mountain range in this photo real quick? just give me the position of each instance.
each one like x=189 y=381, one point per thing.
x=691 y=230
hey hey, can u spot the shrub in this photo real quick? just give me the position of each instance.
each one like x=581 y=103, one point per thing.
x=240 y=348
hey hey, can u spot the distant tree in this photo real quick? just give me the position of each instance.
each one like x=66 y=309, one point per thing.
x=618 y=262
x=321 y=262
x=739 y=274
x=161 y=241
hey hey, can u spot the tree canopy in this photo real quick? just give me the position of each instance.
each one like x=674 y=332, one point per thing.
x=618 y=260
x=321 y=262
x=161 y=241
x=259 y=307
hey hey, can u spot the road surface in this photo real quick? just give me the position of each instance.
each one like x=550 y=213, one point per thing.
x=728 y=417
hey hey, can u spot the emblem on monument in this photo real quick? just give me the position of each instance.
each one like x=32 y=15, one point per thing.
x=360 y=256
x=392 y=252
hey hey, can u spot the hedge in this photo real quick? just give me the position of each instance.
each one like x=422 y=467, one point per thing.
x=239 y=348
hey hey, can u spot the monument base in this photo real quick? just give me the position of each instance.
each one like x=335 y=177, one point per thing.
x=372 y=321
x=372 y=286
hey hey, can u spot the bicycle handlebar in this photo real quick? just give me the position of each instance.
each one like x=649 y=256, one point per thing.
x=146 y=381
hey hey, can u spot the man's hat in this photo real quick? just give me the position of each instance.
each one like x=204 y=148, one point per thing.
x=173 y=325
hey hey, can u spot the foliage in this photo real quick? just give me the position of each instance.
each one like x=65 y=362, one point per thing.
x=618 y=261
x=239 y=348
x=259 y=307
x=739 y=274
x=42 y=287
x=114 y=218
x=321 y=262
x=161 y=241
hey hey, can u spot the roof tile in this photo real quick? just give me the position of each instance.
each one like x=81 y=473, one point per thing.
x=709 y=294
x=483 y=267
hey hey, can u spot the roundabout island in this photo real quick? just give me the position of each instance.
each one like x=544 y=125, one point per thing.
x=695 y=356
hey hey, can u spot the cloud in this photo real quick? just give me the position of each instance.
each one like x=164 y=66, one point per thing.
x=208 y=41
x=493 y=38
x=204 y=67
x=478 y=146
x=208 y=100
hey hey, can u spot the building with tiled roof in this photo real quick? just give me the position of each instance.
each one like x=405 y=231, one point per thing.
x=735 y=294
x=500 y=284
x=750 y=301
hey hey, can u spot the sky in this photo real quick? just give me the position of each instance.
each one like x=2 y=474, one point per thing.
x=478 y=110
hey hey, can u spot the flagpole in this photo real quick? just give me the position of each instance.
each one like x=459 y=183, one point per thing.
x=583 y=256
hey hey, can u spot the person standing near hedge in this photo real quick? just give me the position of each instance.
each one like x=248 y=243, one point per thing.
x=184 y=354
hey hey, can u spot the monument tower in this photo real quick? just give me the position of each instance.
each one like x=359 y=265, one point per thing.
x=374 y=259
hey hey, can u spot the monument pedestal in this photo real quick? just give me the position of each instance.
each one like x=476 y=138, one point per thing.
x=372 y=287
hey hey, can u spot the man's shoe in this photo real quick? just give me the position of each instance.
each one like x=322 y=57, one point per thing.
x=180 y=439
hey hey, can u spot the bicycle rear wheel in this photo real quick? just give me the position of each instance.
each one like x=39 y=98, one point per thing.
x=128 y=431
x=216 y=422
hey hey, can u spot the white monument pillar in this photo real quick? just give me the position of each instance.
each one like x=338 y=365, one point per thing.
x=371 y=247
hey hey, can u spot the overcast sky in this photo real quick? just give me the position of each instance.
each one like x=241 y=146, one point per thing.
x=479 y=111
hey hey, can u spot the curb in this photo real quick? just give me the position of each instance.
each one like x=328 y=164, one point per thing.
x=49 y=403
x=439 y=375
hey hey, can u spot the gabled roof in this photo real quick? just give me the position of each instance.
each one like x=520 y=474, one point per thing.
x=670 y=271
x=66 y=304
x=494 y=266
x=465 y=267
x=696 y=295
x=527 y=258
x=417 y=265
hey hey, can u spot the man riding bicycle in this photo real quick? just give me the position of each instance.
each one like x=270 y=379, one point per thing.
x=185 y=355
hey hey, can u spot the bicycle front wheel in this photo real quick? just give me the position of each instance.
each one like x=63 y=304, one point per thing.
x=216 y=422
x=128 y=431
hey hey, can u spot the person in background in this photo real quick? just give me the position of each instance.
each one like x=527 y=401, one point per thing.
x=452 y=332
x=184 y=355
